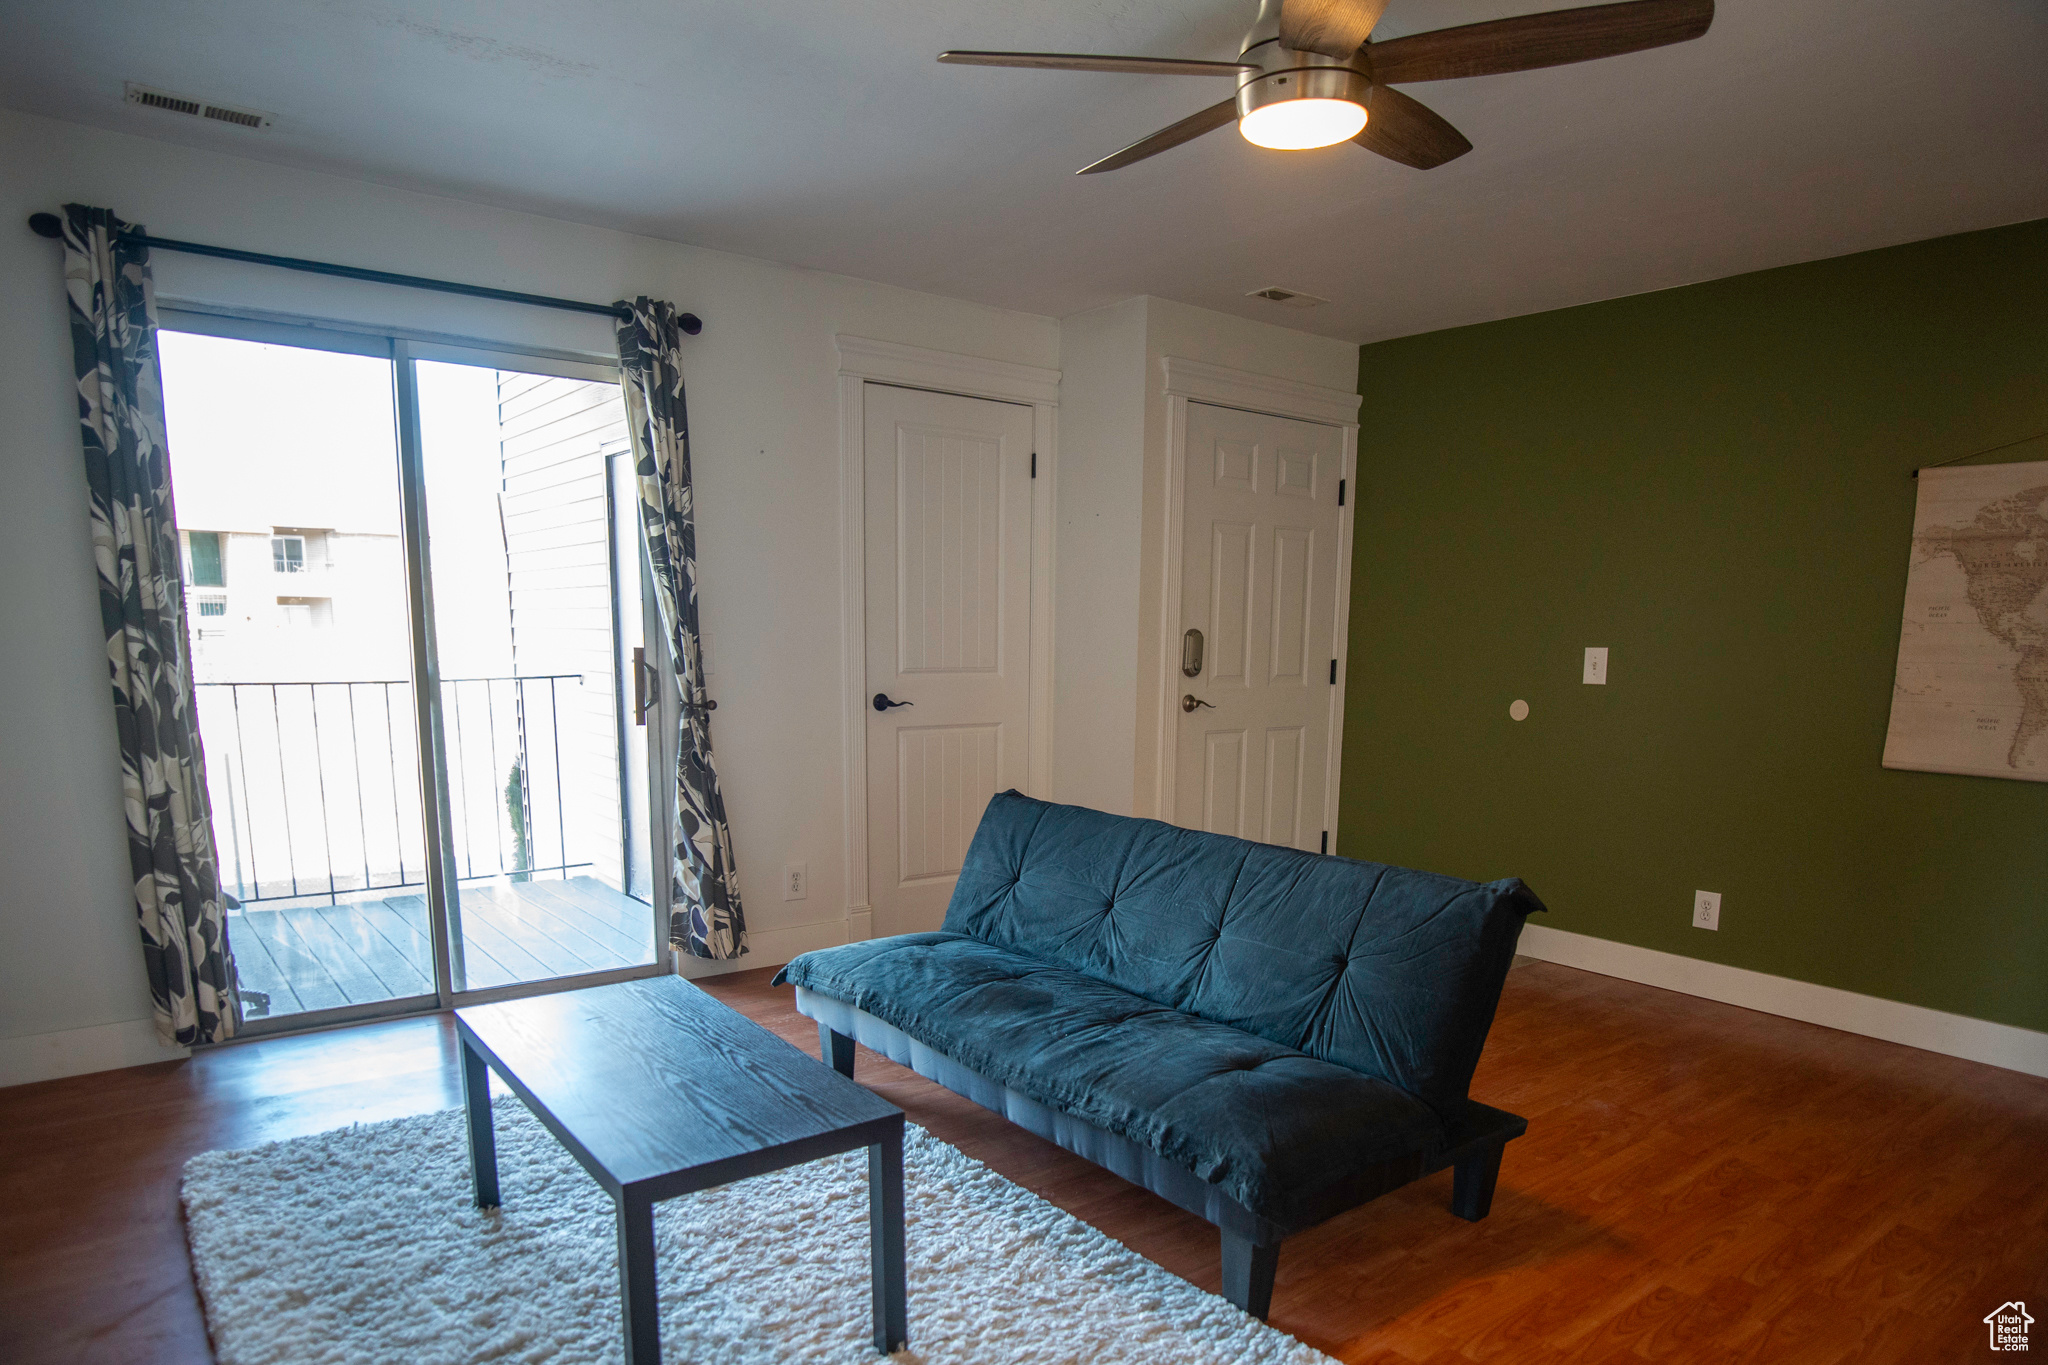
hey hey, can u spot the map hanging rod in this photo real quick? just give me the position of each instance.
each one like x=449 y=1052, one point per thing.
x=1989 y=450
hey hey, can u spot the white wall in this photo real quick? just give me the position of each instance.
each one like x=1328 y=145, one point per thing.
x=1095 y=608
x=763 y=407
x=1113 y=447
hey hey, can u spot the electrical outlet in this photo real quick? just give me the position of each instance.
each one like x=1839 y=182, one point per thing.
x=796 y=881
x=1596 y=666
x=1706 y=910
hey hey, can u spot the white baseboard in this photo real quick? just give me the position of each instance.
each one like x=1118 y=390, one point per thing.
x=1956 y=1035
x=76 y=1051
x=770 y=948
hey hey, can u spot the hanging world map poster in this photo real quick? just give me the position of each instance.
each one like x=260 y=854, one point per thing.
x=1971 y=692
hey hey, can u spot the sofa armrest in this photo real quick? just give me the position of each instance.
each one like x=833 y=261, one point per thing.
x=1483 y=1127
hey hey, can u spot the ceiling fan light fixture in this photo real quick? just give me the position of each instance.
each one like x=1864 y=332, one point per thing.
x=1301 y=106
x=1297 y=125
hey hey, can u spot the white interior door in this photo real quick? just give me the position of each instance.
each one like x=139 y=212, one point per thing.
x=1259 y=581
x=948 y=548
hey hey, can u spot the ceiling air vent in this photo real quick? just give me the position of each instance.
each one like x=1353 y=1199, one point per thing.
x=1293 y=298
x=184 y=104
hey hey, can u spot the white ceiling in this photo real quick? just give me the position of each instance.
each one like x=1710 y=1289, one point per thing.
x=821 y=133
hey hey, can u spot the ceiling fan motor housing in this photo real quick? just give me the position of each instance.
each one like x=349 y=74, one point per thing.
x=1285 y=73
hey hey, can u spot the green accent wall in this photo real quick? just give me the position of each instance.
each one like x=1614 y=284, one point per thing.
x=1713 y=482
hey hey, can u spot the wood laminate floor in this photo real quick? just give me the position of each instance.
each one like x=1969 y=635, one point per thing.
x=1699 y=1183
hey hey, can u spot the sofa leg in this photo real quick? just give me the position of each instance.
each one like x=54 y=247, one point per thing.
x=1472 y=1182
x=1248 y=1273
x=835 y=1050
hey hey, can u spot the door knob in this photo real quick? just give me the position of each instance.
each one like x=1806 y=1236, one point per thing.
x=1191 y=701
x=882 y=702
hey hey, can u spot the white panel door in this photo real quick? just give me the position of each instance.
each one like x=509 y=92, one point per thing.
x=1259 y=580
x=948 y=505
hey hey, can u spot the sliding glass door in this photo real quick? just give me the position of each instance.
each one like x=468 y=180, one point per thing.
x=528 y=616
x=416 y=611
x=285 y=471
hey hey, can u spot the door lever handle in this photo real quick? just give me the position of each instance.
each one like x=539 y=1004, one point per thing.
x=1191 y=701
x=642 y=694
x=882 y=702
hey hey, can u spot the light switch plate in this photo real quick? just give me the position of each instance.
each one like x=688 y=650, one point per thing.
x=1706 y=910
x=1596 y=665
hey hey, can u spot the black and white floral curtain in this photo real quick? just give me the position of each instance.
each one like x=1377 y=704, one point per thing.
x=142 y=609
x=705 y=919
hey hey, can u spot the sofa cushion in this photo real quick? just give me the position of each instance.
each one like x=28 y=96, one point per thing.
x=1385 y=971
x=1268 y=1124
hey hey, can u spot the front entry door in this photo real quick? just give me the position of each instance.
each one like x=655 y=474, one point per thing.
x=1259 y=581
x=948 y=542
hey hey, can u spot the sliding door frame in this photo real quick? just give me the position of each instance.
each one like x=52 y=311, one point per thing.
x=444 y=893
x=403 y=349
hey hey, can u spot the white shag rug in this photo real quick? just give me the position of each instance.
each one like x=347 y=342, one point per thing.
x=362 y=1245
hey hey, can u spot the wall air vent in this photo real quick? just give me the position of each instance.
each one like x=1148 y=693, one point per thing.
x=1293 y=298
x=151 y=98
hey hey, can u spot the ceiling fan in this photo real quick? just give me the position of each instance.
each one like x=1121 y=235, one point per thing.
x=1309 y=74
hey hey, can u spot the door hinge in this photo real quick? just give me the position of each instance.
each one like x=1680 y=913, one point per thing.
x=1340 y=492
x=1333 y=672
x=1326 y=841
x=1034 y=464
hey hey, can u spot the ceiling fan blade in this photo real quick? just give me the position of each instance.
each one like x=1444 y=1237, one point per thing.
x=1533 y=40
x=1335 y=28
x=1187 y=130
x=1067 y=61
x=1408 y=131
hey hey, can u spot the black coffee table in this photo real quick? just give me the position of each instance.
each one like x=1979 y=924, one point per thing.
x=658 y=1090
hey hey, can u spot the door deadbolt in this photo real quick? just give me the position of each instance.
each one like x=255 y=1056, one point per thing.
x=1191 y=653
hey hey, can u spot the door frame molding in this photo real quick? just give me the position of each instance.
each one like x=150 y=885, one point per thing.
x=864 y=360
x=1186 y=381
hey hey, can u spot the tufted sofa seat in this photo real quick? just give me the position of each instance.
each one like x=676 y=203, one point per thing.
x=1266 y=1037
x=1267 y=1123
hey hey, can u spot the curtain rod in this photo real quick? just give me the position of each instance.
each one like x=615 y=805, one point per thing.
x=49 y=225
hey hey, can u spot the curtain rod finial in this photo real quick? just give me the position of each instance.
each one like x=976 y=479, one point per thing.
x=690 y=323
x=46 y=225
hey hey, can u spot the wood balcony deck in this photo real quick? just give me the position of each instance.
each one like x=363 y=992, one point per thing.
x=309 y=955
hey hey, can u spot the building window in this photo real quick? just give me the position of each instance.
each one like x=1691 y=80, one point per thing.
x=288 y=554
x=207 y=569
x=212 y=608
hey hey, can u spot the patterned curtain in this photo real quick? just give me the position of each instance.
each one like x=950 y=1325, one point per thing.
x=142 y=609
x=705 y=918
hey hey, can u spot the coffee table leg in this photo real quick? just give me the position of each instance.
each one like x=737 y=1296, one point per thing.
x=483 y=1139
x=885 y=1239
x=636 y=1280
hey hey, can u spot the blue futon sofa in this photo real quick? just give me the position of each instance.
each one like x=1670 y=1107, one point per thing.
x=1262 y=1036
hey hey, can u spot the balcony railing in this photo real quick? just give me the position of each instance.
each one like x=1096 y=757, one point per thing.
x=316 y=785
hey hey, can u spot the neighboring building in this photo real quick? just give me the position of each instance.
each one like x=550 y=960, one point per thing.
x=294 y=603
